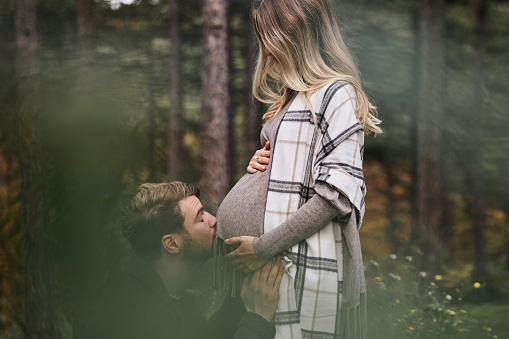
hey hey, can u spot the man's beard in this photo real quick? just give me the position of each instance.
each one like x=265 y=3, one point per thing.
x=195 y=251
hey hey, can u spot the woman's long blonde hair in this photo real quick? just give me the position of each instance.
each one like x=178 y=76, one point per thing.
x=307 y=52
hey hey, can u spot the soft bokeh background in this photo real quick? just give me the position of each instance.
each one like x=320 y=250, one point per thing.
x=87 y=115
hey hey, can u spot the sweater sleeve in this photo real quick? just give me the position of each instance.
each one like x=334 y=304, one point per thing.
x=315 y=214
x=253 y=326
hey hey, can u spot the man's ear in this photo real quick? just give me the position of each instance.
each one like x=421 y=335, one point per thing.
x=171 y=243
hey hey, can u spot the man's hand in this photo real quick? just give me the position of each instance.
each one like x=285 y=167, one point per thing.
x=244 y=257
x=259 y=159
x=260 y=292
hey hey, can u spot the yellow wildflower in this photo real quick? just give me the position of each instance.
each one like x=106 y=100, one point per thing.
x=378 y=279
x=438 y=277
x=495 y=336
x=451 y=312
x=433 y=284
x=434 y=320
x=463 y=311
x=477 y=285
x=412 y=310
x=397 y=301
x=440 y=309
x=488 y=329
x=411 y=328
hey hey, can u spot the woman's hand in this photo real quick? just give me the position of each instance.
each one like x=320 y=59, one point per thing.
x=244 y=257
x=259 y=159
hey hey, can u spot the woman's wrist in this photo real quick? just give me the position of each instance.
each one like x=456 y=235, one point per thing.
x=261 y=250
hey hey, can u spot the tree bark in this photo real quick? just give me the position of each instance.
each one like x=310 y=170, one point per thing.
x=86 y=28
x=429 y=195
x=476 y=172
x=151 y=74
x=215 y=105
x=38 y=302
x=175 y=112
x=416 y=28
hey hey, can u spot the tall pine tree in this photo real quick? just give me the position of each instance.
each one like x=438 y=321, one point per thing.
x=38 y=301
x=215 y=103
x=430 y=186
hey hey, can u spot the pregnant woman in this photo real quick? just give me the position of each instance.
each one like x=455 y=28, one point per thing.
x=309 y=202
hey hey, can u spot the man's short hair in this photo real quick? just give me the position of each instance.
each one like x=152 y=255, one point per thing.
x=152 y=213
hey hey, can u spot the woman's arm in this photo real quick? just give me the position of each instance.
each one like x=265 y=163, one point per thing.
x=306 y=221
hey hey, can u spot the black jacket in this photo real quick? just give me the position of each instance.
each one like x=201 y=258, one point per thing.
x=136 y=305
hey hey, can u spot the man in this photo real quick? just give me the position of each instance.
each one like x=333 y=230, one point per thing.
x=172 y=236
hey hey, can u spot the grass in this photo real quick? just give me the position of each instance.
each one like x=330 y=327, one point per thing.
x=404 y=303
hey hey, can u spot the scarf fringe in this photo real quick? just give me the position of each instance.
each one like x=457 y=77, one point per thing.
x=225 y=277
x=353 y=321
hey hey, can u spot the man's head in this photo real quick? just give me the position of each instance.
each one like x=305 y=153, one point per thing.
x=168 y=216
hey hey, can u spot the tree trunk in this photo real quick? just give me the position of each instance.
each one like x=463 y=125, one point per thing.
x=477 y=176
x=429 y=193
x=86 y=28
x=394 y=226
x=175 y=112
x=38 y=303
x=254 y=107
x=416 y=20
x=150 y=79
x=214 y=182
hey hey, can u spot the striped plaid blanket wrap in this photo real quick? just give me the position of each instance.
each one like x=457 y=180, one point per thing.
x=330 y=151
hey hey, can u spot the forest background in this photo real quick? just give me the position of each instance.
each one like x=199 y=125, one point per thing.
x=98 y=97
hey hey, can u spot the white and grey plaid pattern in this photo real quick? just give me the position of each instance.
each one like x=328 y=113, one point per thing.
x=305 y=152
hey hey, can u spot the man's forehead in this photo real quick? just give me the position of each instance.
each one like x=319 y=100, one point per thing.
x=190 y=205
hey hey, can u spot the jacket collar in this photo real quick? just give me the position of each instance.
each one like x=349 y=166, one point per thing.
x=143 y=271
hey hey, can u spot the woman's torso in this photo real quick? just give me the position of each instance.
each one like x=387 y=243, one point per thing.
x=243 y=209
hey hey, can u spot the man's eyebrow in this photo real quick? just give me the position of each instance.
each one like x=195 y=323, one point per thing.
x=198 y=213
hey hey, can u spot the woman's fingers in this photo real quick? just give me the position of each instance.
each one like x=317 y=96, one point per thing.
x=261 y=153
x=236 y=254
x=255 y=166
x=233 y=241
x=231 y=256
x=244 y=256
x=259 y=160
x=263 y=160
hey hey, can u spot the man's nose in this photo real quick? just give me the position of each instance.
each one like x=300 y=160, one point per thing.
x=212 y=220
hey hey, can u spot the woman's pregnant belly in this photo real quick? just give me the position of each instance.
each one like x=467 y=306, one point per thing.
x=242 y=210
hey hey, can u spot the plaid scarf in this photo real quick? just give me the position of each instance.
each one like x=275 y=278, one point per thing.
x=330 y=150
